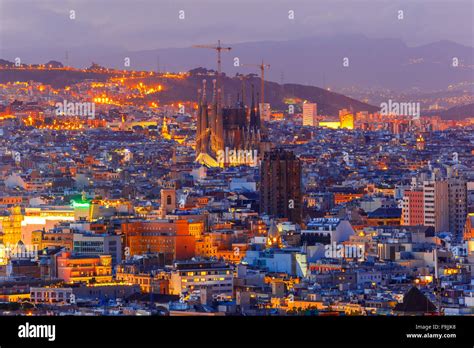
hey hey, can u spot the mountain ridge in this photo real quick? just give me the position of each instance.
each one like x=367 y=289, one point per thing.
x=386 y=63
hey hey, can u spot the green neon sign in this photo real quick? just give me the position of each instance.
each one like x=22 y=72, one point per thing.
x=80 y=205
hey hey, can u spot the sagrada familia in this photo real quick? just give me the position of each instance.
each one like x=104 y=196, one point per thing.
x=228 y=135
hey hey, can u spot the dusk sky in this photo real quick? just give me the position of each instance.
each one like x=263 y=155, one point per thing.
x=146 y=24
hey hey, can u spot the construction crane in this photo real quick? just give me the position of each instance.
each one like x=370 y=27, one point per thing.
x=219 y=48
x=262 y=68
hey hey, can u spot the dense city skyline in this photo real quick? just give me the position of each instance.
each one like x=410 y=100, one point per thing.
x=306 y=162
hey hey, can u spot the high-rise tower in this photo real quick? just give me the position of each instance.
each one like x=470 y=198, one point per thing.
x=280 y=185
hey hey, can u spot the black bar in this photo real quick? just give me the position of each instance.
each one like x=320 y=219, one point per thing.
x=223 y=331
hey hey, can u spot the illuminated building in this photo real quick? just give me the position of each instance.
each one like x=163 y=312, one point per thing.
x=82 y=268
x=11 y=226
x=44 y=218
x=330 y=124
x=235 y=255
x=171 y=238
x=157 y=283
x=342 y=197
x=164 y=130
x=310 y=114
x=100 y=208
x=346 y=118
x=165 y=133
x=32 y=238
x=278 y=116
x=51 y=295
x=280 y=186
x=98 y=244
x=469 y=227
x=221 y=131
x=206 y=247
x=15 y=200
x=57 y=239
x=273 y=236
x=48 y=213
x=420 y=143
x=82 y=208
x=189 y=276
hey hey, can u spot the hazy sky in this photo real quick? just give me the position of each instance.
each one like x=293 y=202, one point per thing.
x=149 y=24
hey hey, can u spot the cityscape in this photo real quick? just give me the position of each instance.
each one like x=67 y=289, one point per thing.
x=224 y=187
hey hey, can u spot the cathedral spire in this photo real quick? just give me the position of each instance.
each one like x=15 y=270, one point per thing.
x=214 y=100
x=253 y=120
x=198 y=123
x=204 y=91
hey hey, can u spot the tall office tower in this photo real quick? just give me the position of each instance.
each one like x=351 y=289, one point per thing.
x=310 y=114
x=457 y=192
x=436 y=204
x=280 y=185
x=346 y=118
x=443 y=198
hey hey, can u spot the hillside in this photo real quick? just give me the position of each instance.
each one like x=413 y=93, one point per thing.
x=329 y=103
x=456 y=113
